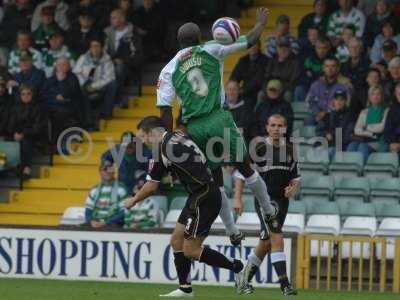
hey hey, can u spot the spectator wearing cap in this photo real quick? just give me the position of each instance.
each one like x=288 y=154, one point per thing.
x=56 y=50
x=368 y=131
x=270 y=102
x=62 y=99
x=392 y=127
x=46 y=27
x=131 y=157
x=29 y=74
x=317 y=19
x=359 y=99
x=347 y=14
x=82 y=32
x=250 y=73
x=124 y=45
x=342 y=50
x=17 y=17
x=357 y=65
x=394 y=76
x=24 y=43
x=388 y=39
x=60 y=14
x=285 y=67
x=381 y=15
x=96 y=74
x=104 y=204
x=282 y=31
x=5 y=105
x=311 y=70
x=322 y=90
x=337 y=119
x=26 y=126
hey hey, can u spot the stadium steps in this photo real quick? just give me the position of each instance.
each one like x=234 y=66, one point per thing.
x=67 y=182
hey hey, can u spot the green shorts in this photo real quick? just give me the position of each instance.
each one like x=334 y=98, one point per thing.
x=219 y=138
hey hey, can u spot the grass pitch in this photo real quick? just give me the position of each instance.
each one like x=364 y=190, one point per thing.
x=21 y=289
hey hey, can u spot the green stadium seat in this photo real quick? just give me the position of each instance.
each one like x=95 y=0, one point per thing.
x=307 y=132
x=298 y=125
x=349 y=208
x=322 y=186
x=385 y=189
x=12 y=152
x=347 y=164
x=388 y=211
x=313 y=160
x=321 y=207
x=162 y=201
x=381 y=165
x=248 y=203
x=354 y=187
x=178 y=203
x=300 y=110
x=297 y=207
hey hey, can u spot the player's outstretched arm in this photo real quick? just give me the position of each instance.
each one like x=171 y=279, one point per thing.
x=261 y=20
x=149 y=188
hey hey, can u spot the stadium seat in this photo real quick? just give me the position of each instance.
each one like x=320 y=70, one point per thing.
x=248 y=221
x=307 y=132
x=298 y=125
x=381 y=165
x=387 y=211
x=385 y=189
x=178 y=203
x=73 y=216
x=321 y=208
x=351 y=208
x=294 y=223
x=297 y=207
x=389 y=227
x=248 y=203
x=228 y=182
x=313 y=160
x=355 y=187
x=346 y=164
x=317 y=186
x=323 y=224
x=171 y=218
x=162 y=203
x=12 y=152
x=300 y=110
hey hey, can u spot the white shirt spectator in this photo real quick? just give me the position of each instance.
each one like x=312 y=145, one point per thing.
x=338 y=20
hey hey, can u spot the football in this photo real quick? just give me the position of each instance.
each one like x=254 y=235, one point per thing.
x=225 y=30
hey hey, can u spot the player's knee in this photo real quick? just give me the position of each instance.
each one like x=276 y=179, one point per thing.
x=276 y=241
x=176 y=242
x=189 y=250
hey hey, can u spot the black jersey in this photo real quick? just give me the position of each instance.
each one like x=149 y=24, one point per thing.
x=277 y=166
x=181 y=156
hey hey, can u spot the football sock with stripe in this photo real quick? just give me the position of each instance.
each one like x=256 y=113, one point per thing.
x=183 y=265
x=278 y=260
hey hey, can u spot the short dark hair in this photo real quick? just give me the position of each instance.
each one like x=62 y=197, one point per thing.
x=150 y=122
x=350 y=27
x=335 y=59
x=277 y=116
x=97 y=38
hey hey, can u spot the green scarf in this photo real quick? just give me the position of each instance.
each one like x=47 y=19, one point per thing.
x=374 y=114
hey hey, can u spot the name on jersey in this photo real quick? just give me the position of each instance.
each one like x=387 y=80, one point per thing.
x=190 y=63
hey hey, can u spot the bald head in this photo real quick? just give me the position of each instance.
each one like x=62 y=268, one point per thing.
x=189 y=35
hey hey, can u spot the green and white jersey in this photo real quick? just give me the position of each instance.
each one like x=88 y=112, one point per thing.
x=195 y=76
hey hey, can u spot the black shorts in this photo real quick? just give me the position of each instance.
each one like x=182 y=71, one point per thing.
x=200 y=211
x=275 y=226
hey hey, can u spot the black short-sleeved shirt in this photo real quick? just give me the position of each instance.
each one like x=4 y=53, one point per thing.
x=181 y=156
x=277 y=166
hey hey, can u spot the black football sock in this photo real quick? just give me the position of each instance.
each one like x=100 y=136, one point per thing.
x=183 y=265
x=279 y=262
x=216 y=259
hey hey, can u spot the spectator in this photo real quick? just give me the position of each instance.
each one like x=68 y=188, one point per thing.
x=240 y=111
x=356 y=67
x=377 y=20
x=250 y=72
x=342 y=50
x=46 y=27
x=99 y=9
x=5 y=104
x=80 y=34
x=388 y=34
x=312 y=68
x=307 y=45
x=368 y=132
x=96 y=74
x=124 y=47
x=127 y=7
x=389 y=51
x=285 y=67
x=269 y=103
x=132 y=166
x=347 y=14
x=337 y=119
x=26 y=126
x=394 y=79
x=28 y=75
x=281 y=31
x=318 y=18
x=56 y=49
x=17 y=18
x=104 y=204
x=60 y=14
x=321 y=91
x=367 y=6
x=142 y=216
x=360 y=97
x=392 y=126
x=63 y=99
x=154 y=31
x=24 y=43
